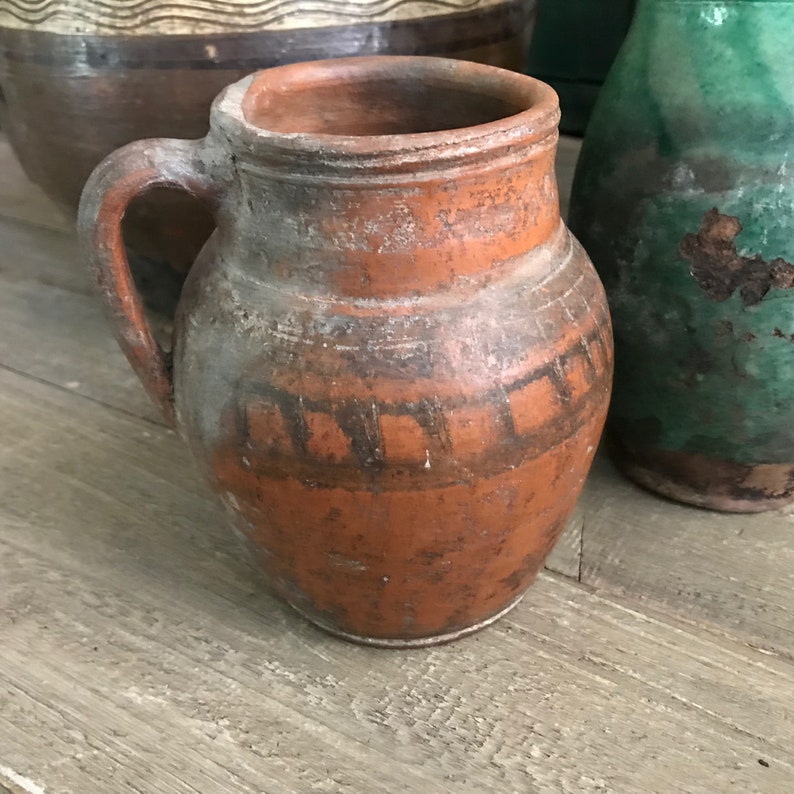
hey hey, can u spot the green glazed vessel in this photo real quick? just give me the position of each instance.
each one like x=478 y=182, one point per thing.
x=684 y=198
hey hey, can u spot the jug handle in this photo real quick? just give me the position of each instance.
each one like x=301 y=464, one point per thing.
x=125 y=174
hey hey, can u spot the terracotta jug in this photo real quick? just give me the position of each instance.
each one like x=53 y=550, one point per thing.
x=392 y=360
x=80 y=78
x=684 y=198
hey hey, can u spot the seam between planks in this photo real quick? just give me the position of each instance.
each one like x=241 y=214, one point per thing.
x=94 y=400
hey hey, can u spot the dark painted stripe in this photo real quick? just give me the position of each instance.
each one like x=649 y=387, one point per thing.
x=447 y=33
x=553 y=370
x=403 y=476
x=511 y=452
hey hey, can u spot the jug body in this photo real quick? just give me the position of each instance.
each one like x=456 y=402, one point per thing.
x=683 y=197
x=392 y=360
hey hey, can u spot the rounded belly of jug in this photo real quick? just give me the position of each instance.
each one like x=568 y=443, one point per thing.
x=399 y=474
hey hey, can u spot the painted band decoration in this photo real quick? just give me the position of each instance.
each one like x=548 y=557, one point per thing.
x=520 y=421
x=155 y=17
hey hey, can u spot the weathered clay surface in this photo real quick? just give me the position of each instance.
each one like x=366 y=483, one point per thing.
x=392 y=359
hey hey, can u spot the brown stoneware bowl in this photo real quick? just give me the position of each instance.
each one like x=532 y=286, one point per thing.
x=80 y=78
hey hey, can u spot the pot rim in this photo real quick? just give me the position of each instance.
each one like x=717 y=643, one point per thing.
x=534 y=127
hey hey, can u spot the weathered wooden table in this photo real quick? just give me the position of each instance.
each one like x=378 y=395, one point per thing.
x=140 y=653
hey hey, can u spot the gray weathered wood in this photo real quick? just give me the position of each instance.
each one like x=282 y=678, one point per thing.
x=736 y=571
x=21 y=199
x=51 y=322
x=565 y=557
x=142 y=647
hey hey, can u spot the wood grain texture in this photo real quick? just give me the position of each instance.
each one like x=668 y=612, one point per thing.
x=51 y=322
x=131 y=622
x=22 y=200
x=734 y=571
x=565 y=557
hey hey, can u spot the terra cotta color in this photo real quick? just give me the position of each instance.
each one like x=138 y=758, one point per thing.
x=392 y=360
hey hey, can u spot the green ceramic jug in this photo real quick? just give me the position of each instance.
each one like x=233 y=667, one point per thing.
x=684 y=198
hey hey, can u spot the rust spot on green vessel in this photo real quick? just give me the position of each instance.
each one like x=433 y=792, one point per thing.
x=782 y=335
x=720 y=270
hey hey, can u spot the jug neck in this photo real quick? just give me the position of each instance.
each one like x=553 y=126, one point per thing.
x=387 y=213
x=382 y=116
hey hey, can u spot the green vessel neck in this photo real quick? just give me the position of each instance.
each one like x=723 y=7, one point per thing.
x=713 y=9
x=710 y=3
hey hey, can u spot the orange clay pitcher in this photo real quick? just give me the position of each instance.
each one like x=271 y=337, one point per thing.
x=392 y=359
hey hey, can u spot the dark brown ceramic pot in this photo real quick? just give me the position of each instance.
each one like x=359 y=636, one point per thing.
x=87 y=77
x=392 y=359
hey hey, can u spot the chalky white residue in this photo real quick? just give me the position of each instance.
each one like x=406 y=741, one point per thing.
x=26 y=784
x=715 y=15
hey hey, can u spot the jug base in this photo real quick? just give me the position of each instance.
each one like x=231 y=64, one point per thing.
x=410 y=642
x=706 y=482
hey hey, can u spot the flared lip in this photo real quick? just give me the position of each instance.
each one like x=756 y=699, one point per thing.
x=314 y=152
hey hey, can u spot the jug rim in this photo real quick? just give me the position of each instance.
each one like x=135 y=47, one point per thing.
x=238 y=114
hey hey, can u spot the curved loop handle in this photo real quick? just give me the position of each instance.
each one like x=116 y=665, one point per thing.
x=121 y=177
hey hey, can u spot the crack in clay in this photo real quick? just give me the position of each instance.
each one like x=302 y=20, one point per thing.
x=720 y=270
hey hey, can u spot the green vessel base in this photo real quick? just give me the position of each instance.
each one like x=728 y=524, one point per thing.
x=706 y=482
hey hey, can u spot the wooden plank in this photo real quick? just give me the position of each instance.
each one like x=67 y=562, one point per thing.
x=142 y=653
x=51 y=322
x=21 y=199
x=736 y=571
x=47 y=256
